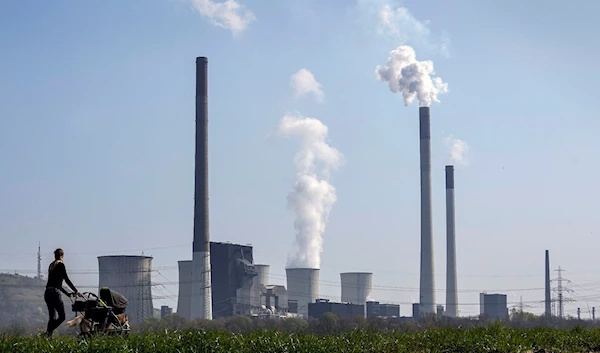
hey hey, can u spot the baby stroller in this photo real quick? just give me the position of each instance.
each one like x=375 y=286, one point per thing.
x=105 y=314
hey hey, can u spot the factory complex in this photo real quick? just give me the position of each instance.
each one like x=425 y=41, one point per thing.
x=222 y=279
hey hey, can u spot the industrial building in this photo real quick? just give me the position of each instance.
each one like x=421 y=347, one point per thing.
x=376 y=309
x=165 y=311
x=232 y=279
x=357 y=287
x=302 y=289
x=493 y=306
x=276 y=299
x=439 y=311
x=322 y=306
x=267 y=300
x=131 y=276
x=260 y=283
x=416 y=313
x=238 y=286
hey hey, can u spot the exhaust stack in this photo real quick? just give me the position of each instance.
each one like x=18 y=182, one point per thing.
x=201 y=304
x=451 y=287
x=548 y=311
x=427 y=285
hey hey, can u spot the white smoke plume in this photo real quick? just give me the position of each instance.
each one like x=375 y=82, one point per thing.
x=404 y=74
x=228 y=14
x=312 y=196
x=400 y=23
x=404 y=27
x=304 y=82
x=458 y=150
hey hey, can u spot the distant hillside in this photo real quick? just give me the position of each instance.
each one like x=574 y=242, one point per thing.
x=22 y=300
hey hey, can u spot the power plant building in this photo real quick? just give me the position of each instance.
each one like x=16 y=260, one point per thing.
x=376 y=309
x=415 y=311
x=322 y=306
x=302 y=289
x=357 y=287
x=132 y=277
x=493 y=306
x=233 y=274
x=165 y=311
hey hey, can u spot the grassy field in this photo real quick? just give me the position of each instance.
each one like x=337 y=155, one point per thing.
x=494 y=338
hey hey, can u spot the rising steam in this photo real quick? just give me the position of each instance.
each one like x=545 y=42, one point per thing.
x=312 y=196
x=458 y=150
x=405 y=74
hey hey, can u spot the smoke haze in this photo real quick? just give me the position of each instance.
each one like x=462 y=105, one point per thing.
x=404 y=74
x=229 y=14
x=458 y=149
x=312 y=196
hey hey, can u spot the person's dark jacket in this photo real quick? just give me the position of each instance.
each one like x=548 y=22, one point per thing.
x=57 y=272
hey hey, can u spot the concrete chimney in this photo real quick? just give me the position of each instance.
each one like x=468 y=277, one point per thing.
x=451 y=288
x=201 y=305
x=427 y=285
x=548 y=311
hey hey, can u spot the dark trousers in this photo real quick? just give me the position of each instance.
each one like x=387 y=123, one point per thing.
x=55 y=308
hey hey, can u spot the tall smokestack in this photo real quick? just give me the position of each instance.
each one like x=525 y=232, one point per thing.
x=548 y=310
x=427 y=285
x=201 y=305
x=451 y=287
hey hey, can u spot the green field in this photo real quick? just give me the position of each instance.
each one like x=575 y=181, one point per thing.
x=493 y=338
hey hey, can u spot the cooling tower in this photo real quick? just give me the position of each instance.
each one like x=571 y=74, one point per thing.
x=451 y=287
x=357 y=287
x=302 y=287
x=547 y=302
x=201 y=302
x=184 y=299
x=427 y=285
x=262 y=274
x=132 y=277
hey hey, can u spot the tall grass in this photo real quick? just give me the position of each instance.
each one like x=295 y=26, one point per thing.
x=494 y=338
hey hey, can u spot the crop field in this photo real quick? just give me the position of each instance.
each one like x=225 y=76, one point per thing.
x=493 y=338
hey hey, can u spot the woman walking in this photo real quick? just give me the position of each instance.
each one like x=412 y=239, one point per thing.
x=57 y=272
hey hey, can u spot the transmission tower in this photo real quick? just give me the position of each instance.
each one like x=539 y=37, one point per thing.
x=143 y=296
x=39 y=261
x=560 y=290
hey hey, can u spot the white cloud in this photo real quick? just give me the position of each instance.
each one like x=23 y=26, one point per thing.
x=303 y=82
x=228 y=14
x=458 y=150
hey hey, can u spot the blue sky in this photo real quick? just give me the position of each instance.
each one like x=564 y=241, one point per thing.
x=97 y=138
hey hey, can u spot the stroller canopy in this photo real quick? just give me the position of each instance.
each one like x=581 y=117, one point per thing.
x=113 y=299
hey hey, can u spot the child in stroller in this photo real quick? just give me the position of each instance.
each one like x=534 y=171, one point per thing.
x=104 y=314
